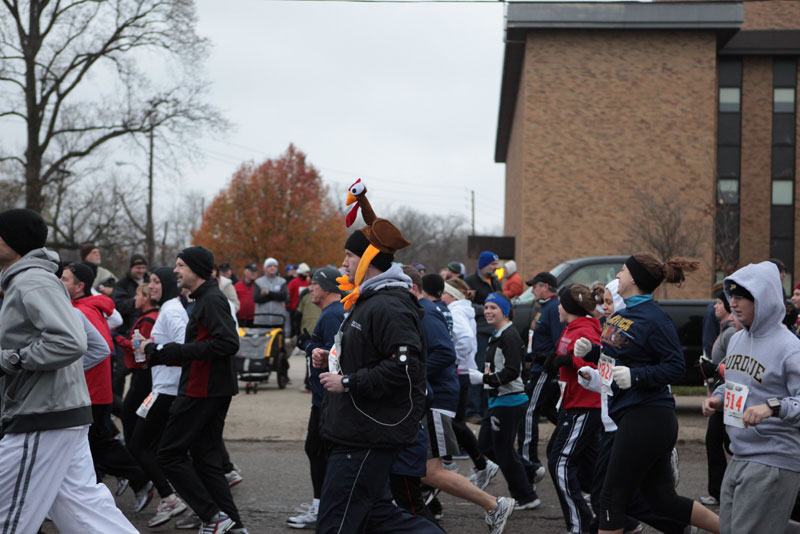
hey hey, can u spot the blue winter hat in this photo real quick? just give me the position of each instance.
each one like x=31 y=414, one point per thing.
x=290 y=267
x=486 y=258
x=501 y=302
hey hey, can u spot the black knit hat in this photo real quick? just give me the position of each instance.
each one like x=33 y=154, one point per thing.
x=169 y=283
x=83 y=273
x=23 y=230
x=357 y=243
x=433 y=285
x=86 y=249
x=326 y=279
x=724 y=298
x=137 y=259
x=199 y=259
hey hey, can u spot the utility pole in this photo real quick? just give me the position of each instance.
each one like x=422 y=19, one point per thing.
x=150 y=244
x=473 y=212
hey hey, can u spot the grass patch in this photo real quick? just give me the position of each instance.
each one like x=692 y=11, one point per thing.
x=690 y=390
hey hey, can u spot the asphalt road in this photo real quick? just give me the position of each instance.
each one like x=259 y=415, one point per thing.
x=264 y=435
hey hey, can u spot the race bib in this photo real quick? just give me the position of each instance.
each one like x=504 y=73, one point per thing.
x=605 y=367
x=147 y=403
x=735 y=400
x=562 y=385
x=333 y=355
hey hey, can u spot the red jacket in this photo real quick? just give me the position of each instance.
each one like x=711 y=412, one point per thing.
x=144 y=324
x=294 y=287
x=96 y=308
x=513 y=287
x=575 y=395
x=246 y=305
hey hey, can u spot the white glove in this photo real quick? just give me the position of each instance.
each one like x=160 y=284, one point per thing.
x=582 y=347
x=593 y=383
x=475 y=377
x=622 y=376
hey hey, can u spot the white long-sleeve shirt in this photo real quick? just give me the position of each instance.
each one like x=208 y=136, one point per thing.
x=170 y=327
x=464 y=334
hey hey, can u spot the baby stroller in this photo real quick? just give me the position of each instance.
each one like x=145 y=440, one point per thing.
x=262 y=351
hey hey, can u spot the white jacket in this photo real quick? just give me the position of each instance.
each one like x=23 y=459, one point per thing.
x=464 y=334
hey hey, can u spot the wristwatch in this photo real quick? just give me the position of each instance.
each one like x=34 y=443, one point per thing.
x=775 y=406
x=346 y=383
x=13 y=358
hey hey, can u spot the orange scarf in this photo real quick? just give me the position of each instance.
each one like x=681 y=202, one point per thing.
x=354 y=287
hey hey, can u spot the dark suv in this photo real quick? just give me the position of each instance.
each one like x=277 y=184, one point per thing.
x=686 y=314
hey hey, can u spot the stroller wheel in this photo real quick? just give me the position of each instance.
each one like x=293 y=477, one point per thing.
x=247 y=388
x=283 y=371
x=255 y=388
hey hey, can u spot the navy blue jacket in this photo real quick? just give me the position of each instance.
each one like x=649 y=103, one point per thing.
x=643 y=338
x=441 y=360
x=324 y=331
x=547 y=331
x=448 y=316
x=710 y=329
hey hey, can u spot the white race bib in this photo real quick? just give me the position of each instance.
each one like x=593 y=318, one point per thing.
x=735 y=400
x=562 y=385
x=147 y=403
x=333 y=355
x=605 y=368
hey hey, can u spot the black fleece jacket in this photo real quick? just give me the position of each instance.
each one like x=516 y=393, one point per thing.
x=387 y=397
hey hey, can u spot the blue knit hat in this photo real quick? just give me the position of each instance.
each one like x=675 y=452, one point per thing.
x=486 y=258
x=501 y=302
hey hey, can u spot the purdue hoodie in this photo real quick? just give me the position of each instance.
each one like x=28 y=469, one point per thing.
x=766 y=358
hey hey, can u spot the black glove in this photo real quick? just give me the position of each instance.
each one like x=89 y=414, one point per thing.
x=169 y=353
x=707 y=368
x=548 y=363
x=561 y=361
x=303 y=338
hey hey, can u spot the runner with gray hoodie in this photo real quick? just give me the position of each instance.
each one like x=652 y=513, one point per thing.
x=760 y=400
x=45 y=462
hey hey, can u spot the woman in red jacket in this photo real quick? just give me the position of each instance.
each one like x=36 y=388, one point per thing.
x=573 y=447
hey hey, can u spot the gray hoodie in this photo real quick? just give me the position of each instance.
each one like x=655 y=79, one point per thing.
x=42 y=341
x=766 y=358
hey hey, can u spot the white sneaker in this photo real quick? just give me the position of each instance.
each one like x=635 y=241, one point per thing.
x=233 y=478
x=673 y=463
x=167 y=509
x=484 y=476
x=144 y=496
x=540 y=472
x=496 y=519
x=708 y=500
x=305 y=520
x=533 y=505
x=219 y=524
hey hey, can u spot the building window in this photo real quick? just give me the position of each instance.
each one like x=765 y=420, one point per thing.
x=782 y=192
x=730 y=99
x=729 y=151
x=783 y=100
x=784 y=95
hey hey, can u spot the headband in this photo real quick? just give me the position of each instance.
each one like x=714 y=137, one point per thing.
x=641 y=276
x=453 y=292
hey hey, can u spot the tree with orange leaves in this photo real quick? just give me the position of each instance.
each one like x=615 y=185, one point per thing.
x=279 y=208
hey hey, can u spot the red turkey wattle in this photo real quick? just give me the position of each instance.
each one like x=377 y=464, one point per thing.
x=351 y=215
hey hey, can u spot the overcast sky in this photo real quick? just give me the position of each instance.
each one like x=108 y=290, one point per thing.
x=404 y=96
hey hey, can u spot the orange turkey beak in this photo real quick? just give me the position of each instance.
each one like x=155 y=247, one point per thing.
x=350 y=199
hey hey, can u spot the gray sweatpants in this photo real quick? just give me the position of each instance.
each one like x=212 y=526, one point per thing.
x=756 y=498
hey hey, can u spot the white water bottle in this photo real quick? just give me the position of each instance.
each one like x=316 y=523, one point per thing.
x=138 y=352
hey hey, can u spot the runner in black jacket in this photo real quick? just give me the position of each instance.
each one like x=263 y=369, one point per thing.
x=208 y=381
x=374 y=394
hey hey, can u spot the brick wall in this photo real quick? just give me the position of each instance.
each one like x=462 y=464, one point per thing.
x=607 y=114
x=772 y=15
x=756 y=184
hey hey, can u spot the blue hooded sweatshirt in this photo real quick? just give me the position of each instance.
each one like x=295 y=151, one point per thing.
x=548 y=329
x=441 y=360
x=765 y=357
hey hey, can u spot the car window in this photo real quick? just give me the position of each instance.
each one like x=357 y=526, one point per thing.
x=591 y=274
x=560 y=268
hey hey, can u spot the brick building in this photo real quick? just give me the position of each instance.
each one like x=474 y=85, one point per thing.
x=609 y=110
